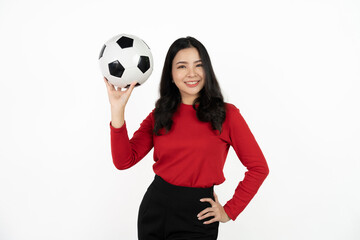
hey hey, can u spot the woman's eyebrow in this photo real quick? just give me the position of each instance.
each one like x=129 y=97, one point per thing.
x=184 y=62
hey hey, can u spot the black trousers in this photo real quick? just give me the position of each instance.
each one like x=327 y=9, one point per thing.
x=168 y=212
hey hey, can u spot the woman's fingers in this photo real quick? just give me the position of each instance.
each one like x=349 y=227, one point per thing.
x=129 y=90
x=206 y=210
x=119 y=96
x=208 y=200
x=211 y=220
x=109 y=86
x=208 y=214
x=132 y=86
x=216 y=210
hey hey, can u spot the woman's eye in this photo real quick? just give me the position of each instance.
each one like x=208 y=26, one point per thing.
x=181 y=66
x=199 y=65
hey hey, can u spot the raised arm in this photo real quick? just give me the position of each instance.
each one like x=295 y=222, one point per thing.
x=126 y=152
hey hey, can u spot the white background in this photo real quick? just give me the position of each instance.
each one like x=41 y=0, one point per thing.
x=291 y=67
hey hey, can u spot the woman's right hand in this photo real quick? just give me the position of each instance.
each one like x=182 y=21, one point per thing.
x=117 y=97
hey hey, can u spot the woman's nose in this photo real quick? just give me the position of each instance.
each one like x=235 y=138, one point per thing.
x=191 y=72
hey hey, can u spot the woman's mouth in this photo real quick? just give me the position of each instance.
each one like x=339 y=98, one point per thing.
x=192 y=83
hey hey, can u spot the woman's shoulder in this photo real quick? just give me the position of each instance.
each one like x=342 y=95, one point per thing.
x=232 y=113
x=229 y=107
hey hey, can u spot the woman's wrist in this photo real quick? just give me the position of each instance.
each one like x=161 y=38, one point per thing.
x=117 y=116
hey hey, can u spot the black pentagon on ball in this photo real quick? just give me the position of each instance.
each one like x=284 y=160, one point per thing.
x=125 y=42
x=116 y=69
x=144 y=63
x=102 y=51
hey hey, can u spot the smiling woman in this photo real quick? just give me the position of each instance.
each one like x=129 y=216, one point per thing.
x=188 y=78
x=181 y=203
x=188 y=74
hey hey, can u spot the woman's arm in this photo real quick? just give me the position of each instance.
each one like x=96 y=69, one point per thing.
x=127 y=152
x=251 y=156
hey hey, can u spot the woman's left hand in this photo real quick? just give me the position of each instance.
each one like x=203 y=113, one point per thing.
x=215 y=210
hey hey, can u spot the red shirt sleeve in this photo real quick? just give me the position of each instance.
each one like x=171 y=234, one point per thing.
x=127 y=152
x=251 y=156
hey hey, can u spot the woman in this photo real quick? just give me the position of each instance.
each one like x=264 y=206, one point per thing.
x=191 y=130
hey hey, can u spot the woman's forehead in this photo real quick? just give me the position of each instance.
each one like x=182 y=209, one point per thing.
x=187 y=55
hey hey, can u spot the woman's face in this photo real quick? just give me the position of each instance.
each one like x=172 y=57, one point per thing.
x=188 y=74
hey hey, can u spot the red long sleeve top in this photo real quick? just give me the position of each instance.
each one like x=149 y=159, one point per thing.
x=191 y=154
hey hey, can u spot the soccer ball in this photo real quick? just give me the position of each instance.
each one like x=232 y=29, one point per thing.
x=124 y=59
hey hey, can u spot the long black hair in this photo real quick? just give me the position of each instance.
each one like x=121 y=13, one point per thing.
x=210 y=108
